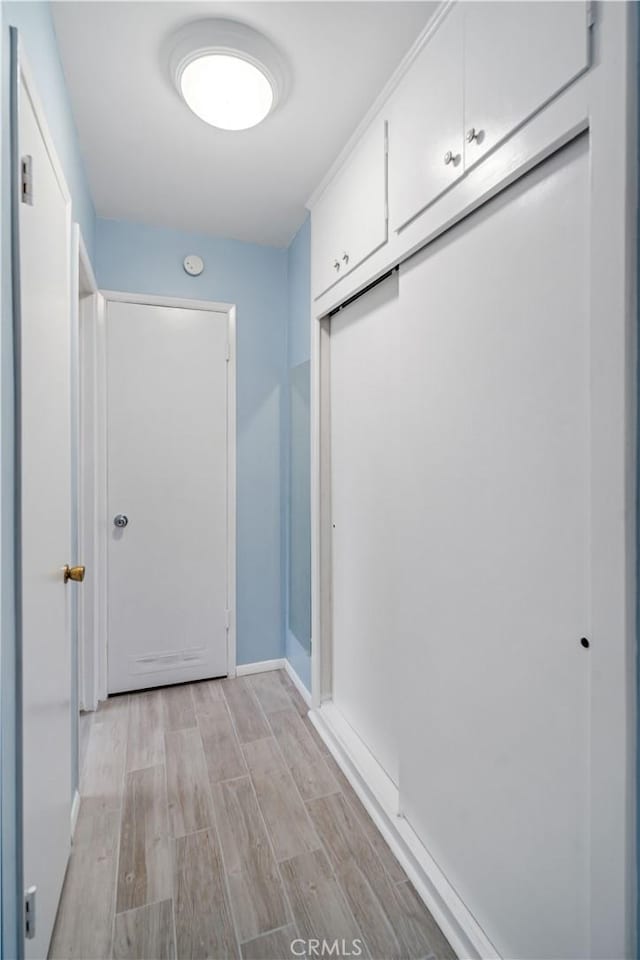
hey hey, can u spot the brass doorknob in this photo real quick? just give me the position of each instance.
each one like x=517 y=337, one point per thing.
x=73 y=573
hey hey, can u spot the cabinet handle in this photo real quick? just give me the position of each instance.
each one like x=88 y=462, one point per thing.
x=448 y=158
x=473 y=134
x=345 y=257
x=336 y=264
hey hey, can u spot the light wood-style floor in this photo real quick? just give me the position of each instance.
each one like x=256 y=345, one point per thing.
x=215 y=824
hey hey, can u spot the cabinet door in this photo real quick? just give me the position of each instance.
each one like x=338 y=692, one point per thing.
x=518 y=56
x=349 y=222
x=426 y=118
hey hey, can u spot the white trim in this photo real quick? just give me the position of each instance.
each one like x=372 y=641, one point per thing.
x=85 y=307
x=392 y=83
x=88 y=283
x=101 y=519
x=232 y=520
x=297 y=682
x=74 y=401
x=151 y=300
x=101 y=499
x=75 y=810
x=379 y=796
x=321 y=577
x=604 y=102
x=613 y=323
x=260 y=666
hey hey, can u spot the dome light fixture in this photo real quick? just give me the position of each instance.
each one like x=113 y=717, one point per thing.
x=228 y=74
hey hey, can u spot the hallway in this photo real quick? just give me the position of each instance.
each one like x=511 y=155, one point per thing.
x=214 y=824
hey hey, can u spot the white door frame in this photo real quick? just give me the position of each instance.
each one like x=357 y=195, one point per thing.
x=604 y=102
x=95 y=536
x=85 y=306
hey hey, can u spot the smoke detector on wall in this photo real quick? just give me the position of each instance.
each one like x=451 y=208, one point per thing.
x=193 y=265
x=228 y=74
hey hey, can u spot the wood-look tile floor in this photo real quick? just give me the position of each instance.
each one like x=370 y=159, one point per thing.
x=215 y=824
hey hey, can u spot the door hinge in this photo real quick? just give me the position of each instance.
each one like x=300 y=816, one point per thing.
x=228 y=356
x=30 y=913
x=227 y=619
x=591 y=15
x=26 y=180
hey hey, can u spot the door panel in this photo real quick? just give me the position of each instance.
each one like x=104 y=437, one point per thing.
x=363 y=506
x=46 y=528
x=350 y=219
x=167 y=472
x=494 y=766
x=518 y=56
x=426 y=118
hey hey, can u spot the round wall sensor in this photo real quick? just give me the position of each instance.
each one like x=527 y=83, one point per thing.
x=193 y=265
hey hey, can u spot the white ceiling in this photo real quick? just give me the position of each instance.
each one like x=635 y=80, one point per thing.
x=150 y=159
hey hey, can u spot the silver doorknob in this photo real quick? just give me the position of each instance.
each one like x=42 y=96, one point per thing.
x=448 y=158
x=472 y=134
x=121 y=520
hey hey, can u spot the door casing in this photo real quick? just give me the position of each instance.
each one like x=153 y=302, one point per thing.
x=94 y=528
x=85 y=304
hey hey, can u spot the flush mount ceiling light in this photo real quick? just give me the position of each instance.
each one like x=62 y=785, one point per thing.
x=228 y=74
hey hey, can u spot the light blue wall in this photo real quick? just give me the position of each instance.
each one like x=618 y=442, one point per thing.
x=298 y=350
x=142 y=259
x=299 y=329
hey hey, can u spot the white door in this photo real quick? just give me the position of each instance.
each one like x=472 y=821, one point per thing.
x=365 y=533
x=517 y=56
x=350 y=219
x=46 y=527
x=426 y=115
x=167 y=404
x=495 y=566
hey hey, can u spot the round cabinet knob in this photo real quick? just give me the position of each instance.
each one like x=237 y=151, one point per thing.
x=336 y=264
x=472 y=134
x=120 y=521
x=345 y=257
x=448 y=158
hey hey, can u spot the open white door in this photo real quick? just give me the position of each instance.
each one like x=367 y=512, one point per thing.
x=168 y=514
x=45 y=469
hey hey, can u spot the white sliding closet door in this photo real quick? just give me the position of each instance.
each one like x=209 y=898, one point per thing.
x=364 y=479
x=494 y=475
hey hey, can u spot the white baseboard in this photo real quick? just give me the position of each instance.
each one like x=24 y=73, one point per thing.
x=75 y=810
x=379 y=796
x=262 y=666
x=298 y=684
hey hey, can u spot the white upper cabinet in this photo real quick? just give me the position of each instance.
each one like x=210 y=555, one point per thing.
x=426 y=118
x=518 y=56
x=484 y=69
x=350 y=218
